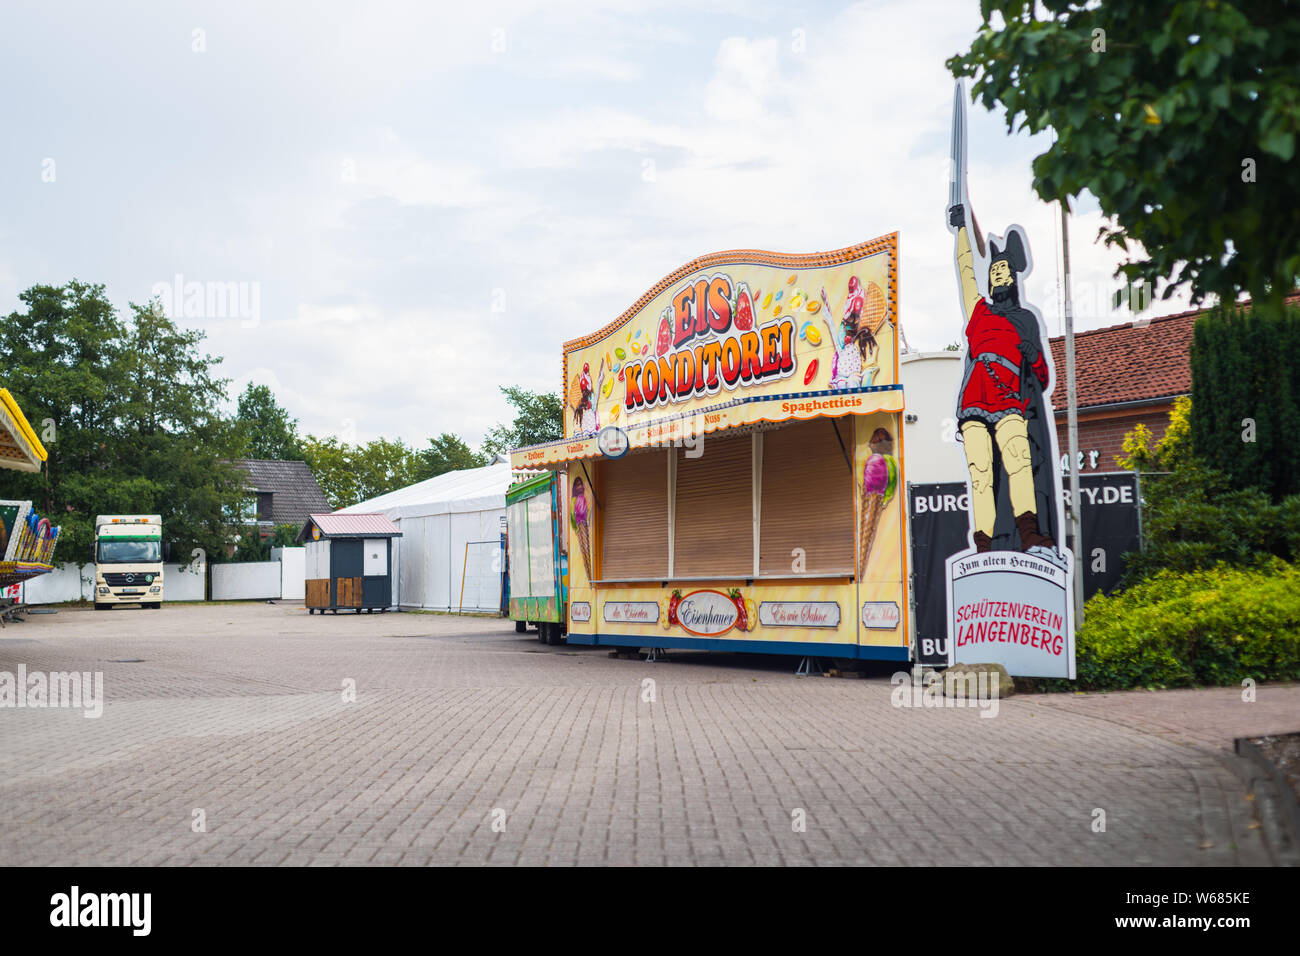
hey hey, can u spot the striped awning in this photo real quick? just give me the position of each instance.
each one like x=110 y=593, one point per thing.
x=745 y=412
x=20 y=449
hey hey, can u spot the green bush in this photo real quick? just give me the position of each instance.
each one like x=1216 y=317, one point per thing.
x=1208 y=627
x=1192 y=522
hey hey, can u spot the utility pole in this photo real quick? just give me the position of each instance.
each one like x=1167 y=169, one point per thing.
x=1072 y=419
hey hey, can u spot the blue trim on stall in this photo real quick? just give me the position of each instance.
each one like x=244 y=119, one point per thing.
x=866 y=652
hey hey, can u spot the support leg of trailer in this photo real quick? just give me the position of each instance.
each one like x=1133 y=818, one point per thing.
x=656 y=654
x=808 y=667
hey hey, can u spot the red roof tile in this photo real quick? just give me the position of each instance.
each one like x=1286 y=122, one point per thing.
x=1128 y=363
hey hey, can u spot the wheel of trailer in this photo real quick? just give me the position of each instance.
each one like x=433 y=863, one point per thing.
x=541 y=632
x=521 y=627
x=553 y=635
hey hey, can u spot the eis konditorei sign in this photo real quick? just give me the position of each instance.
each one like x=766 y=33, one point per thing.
x=739 y=325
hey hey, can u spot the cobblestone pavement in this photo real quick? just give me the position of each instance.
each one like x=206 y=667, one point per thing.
x=469 y=743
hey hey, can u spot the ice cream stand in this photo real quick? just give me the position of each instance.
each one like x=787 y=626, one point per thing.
x=26 y=539
x=732 y=456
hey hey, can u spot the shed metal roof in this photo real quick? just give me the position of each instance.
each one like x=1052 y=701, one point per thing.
x=350 y=526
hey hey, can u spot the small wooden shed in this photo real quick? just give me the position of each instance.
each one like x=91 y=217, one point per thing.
x=349 y=562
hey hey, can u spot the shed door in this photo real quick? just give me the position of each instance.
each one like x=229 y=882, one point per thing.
x=375 y=557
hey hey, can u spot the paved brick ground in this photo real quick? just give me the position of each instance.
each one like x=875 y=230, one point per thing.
x=238 y=711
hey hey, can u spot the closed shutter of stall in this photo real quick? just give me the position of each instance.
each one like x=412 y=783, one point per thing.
x=714 y=525
x=807 y=504
x=634 y=516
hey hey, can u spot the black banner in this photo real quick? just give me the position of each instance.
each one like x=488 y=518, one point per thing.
x=939 y=520
x=329 y=907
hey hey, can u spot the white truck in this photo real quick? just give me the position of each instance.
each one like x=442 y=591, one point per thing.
x=128 y=561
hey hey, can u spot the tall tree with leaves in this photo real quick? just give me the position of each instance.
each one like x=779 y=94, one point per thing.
x=1181 y=118
x=539 y=417
x=175 y=435
x=59 y=356
x=1246 y=398
x=132 y=412
x=265 y=429
x=348 y=474
x=446 y=453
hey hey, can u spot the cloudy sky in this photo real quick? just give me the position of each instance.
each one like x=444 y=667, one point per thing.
x=420 y=202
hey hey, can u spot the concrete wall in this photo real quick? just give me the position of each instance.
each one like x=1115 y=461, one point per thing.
x=293 y=572
x=183 y=582
x=930 y=448
x=282 y=577
x=67 y=582
x=246 y=580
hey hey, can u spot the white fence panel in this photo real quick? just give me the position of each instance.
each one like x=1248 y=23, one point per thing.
x=246 y=580
x=293 y=572
x=183 y=582
x=67 y=582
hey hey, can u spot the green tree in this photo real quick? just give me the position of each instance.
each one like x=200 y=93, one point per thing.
x=129 y=413
x=539 y=417
x=446 y=453
x=349 y=474
x=174 y=434
x=59 y=356
x=1245 y=419
x=1181 y=118
x=330 y=462
x=265 y=429
x=384 y=465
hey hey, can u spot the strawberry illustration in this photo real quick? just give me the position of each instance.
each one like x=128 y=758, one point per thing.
x=675 y=600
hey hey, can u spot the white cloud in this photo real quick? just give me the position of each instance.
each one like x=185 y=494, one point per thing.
x=386 y=177
x=746 y=71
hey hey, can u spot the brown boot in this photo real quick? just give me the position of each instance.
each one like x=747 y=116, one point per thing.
x=1027 y=525
x=982 y=542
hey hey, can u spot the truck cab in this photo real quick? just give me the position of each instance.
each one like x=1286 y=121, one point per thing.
x=128 y=561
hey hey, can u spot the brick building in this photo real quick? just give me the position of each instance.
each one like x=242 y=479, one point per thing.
x=1126 y=374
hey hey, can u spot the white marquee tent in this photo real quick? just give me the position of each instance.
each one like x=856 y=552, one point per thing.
x=445 y=521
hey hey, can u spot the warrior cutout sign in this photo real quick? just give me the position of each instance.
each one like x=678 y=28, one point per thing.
x=1006 y=608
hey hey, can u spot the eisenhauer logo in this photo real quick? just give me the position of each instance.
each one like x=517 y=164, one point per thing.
x=707 y=613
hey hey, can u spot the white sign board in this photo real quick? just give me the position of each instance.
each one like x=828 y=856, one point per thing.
x=1012 y=609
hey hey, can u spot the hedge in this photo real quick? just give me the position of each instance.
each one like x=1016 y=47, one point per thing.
x=1185 y=629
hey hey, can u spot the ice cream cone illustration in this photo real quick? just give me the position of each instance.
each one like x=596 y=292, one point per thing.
x=580 y=525
x=879 y=482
